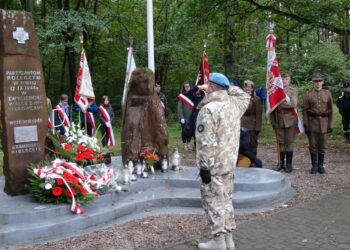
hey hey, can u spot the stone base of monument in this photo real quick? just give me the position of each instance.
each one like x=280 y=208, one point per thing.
x=26 y=222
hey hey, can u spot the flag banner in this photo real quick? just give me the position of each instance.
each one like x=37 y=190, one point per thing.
x=130 y=67
x=204 y=70
x=107 y=118
x=91 y=118
x=63 y=116
x=274 y=85
x=185 y=100
x=84 y=92
x=299 y=129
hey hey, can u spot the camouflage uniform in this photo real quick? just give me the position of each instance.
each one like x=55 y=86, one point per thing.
x=217 y=136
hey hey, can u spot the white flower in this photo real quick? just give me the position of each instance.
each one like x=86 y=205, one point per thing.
x=48 y=186
x=42 y=175
x=80 y=133
x=59 y=171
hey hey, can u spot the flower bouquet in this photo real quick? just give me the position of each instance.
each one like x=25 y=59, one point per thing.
x=65 y=182
x=78 y=147
x=149 y=154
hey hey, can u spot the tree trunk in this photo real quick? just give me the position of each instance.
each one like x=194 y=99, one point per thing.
x=229 y=42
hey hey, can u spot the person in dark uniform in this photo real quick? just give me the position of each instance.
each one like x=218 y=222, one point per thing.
x=343 y=104
x=318 y=121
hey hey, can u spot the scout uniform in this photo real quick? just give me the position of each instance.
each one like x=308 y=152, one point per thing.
x=317 y=116
x=251 y=120
x=217 y=136
x=283 y=120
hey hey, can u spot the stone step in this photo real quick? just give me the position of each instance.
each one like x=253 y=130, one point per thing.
x=24 y=221
x=137 y=203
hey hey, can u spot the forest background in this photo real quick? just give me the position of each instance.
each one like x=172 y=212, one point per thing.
x=311 y=36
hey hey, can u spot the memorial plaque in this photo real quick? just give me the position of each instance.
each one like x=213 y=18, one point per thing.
x=23 y=98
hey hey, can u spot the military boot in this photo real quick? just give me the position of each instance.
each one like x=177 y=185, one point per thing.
x=281 y=166
x=230 y=244
x=289 y=167
x=217 y=243
x=321 y=169
x=314 y=168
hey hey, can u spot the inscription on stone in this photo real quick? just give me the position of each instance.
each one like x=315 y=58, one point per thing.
x=23 y=98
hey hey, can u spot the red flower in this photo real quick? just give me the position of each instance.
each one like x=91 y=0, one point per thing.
x=90 y=151
x=81 y=148
x=93 y=178
x=100 y=157
x=67 y=176
x=57 y=191
x=56 y=150
x=60 y=182
x=68 y=147
x=83 y=191
x=74 y=180
x=79 y=157
x=88 y=155
x=69 y=194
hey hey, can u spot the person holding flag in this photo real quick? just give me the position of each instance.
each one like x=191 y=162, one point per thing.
x=284 y=122
x=105 y=117
x=88 y=117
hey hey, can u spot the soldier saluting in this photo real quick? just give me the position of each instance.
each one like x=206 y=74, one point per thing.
x=318 y=115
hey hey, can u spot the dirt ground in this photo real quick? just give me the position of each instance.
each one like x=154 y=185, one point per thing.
x=156 y=232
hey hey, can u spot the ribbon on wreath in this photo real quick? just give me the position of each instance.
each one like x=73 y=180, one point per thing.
x=107 y=118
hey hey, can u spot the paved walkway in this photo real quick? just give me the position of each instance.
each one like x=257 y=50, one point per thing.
x=322 y=224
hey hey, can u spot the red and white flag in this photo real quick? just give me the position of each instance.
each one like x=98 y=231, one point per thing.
x=84 y=92
x=107 y=118
x=185 y=100
x=204 y=71
x=274 y=85
x=130 y=67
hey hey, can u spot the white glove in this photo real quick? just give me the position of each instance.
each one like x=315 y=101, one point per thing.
x=108 y=124
x=182 y=120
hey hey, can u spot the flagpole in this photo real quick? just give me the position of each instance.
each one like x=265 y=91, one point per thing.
x=81 y=37
x=150 y=35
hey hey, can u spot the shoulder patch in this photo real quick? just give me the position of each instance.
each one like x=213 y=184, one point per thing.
x=200 y=128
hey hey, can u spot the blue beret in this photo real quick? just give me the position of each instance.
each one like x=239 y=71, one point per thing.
x=219 y=79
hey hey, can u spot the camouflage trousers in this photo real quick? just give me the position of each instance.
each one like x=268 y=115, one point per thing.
x=217 y=203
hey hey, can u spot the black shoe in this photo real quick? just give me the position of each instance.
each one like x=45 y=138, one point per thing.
x=321 y=169
x=314 y=168
x=281 y=163
x=289 y=167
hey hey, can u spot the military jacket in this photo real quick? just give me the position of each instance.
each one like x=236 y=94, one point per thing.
x=218 y=129
x=283 y=113
x=318 y=110
x=253 y=115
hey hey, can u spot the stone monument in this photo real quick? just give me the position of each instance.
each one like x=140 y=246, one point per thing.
x=143 y=122
x=23 y=98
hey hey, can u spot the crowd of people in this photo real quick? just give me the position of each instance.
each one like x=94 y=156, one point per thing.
x=317 y=114
x=104 y=112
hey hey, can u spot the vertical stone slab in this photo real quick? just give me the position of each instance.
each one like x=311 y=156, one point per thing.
x=23 y=98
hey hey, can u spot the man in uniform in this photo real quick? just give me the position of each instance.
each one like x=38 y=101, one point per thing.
x=217 y=136
x=251 y=120
x=343 y=104
x=318 y=115
x=285 y=123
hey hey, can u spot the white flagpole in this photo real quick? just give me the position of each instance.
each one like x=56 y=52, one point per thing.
x=150 y=36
